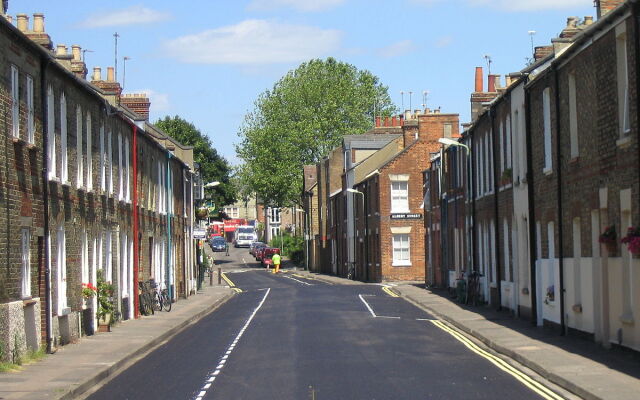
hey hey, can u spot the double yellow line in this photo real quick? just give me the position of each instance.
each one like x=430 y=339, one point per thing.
x=387 y=290
x=526 y=380
x=231 y=284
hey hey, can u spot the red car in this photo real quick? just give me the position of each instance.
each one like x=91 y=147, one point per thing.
x=266 y=255
x=258 y=253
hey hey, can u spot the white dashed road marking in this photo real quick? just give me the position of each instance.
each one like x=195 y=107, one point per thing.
x=212 y=376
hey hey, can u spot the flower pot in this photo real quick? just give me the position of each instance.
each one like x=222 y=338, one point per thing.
x=611 y=247
x=104 y=323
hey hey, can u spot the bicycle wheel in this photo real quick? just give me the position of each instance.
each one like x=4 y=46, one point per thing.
x=149 y=304
x=166 y=302
x=157 y=301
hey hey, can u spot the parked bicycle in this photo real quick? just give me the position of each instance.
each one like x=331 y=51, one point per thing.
x=165 y=300
x=145 y=297
x=161 y=299
x=473 y=288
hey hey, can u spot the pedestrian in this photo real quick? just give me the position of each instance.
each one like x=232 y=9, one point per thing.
x=276 y=262
x=226 y=247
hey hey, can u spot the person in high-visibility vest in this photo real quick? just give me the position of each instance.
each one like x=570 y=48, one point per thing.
x=276 y=262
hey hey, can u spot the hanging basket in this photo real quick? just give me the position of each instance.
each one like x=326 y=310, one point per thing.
x=202 y=213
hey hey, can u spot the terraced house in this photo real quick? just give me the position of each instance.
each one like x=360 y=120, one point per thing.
x=553 y=184
x=89 y=188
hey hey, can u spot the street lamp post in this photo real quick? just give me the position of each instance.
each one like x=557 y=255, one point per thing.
x=451 y=142
x=366 y=231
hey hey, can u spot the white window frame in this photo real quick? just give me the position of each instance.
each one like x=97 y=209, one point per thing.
x=573 y=116
x=108 y=256
x=25 y=238
x=399 y=196
x=64 y=156
x=127 y=171
x=31 y=128
x=61 y=269
x=79 y=156
x=120 y=169
x=51 y=133
x=84 y=256
x=401 y=250
x=508 y=137
x=110 y=162
x=103 y=178
x=546 y=115
x=622 y=75
x=15 y=101
x=89 y=143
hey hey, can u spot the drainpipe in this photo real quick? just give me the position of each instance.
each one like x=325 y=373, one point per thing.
x=636 y=26
x=495 y=208
x=136 y=228
x=45 y=194
x=563 y=326
x=533 y=243
x=169 y=214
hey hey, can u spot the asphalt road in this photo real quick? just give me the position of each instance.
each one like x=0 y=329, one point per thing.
x=287 y=337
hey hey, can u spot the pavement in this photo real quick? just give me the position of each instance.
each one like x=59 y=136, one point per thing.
x=576 y=364
x=76 y=369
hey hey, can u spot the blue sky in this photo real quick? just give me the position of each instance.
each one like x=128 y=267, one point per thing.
x=208 y=60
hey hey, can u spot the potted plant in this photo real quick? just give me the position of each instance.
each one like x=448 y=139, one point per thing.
x=507 y=174
x=608 y=238
x=105 y=304
x=632 y=240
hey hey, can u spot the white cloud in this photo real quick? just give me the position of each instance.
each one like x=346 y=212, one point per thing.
x=531 y=5
x=254 y=42
x=159 y=101
x=133 y=15
x=396 y=49
x=300 y=5
x=444 y=41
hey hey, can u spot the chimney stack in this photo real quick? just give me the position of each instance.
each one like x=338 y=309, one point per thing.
x=137 y=102
x=604 y=6
x=478 y=79
x=78 y=67
x=588 y=20
x=541 y=52
x=22 y=22
x=38 y=34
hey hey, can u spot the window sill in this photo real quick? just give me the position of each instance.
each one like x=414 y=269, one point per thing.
x=624 y=142
x=627 y=319
x=54 y=179
x=401 y=264
x=547 y=171
x=574 y=160
x=64 y=312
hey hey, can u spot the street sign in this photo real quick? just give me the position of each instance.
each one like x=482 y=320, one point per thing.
x=406 y=216
x=199 y=233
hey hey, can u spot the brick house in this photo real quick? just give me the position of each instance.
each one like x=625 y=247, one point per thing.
x=112 y=187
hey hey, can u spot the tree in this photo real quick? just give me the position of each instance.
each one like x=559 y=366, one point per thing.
x=301 y=119
x=213 y=167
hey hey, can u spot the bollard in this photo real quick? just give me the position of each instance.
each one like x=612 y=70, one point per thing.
x=219 y=276
x=211 y=277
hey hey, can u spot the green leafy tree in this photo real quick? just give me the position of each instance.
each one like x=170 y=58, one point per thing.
x=300 y=120
x=213 y=167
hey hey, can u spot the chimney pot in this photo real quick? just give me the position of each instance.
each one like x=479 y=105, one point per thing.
x=588 y=20
x=97 y=74
x=76 y=50
x=394 y=121
x=407 y=114
x=61 y=50
x=9 y=18
x=572 y=22
x=386 y=121
x=478 y=79
x=38 y=23
x=23 y=22
x=377 y=121
x=491 y=84
x=110 y=74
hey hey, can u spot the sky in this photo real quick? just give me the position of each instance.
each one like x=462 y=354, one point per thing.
x=208 y=60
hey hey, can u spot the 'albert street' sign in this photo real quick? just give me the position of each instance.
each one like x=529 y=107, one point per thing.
x=406 y=216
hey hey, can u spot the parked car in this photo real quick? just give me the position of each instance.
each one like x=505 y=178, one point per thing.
x=254 y=246
x=266 y=255
x=258 y=252
x=218 y=244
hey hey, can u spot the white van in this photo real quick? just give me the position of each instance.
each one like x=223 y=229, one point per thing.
x=244 y=236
